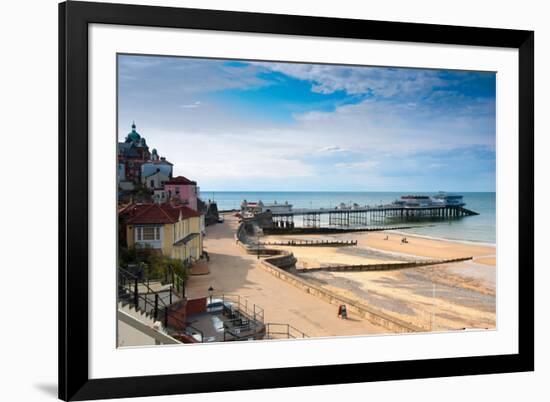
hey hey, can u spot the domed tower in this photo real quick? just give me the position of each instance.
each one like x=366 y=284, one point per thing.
x=154 y=155
x=133 y=136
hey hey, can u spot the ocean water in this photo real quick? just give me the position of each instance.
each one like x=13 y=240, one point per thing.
x=479 y=228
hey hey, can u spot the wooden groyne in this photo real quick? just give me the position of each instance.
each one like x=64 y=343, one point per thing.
x=311 y=243
x=382 y=266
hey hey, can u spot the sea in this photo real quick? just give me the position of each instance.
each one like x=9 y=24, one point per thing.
x=479 y=228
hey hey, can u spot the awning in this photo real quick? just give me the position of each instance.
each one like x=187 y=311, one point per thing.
x=186 y=239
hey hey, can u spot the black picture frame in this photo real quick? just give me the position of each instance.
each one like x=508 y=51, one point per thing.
x=74 y=18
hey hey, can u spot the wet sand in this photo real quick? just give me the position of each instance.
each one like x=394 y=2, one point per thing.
x=440 y=297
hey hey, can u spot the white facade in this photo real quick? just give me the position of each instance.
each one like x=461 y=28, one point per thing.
x=149 y=168
x=160 y=196
x=155 y=180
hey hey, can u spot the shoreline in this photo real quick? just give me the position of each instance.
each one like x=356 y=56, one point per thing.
x=444 y=239
x=375 y=243
x=464 y=293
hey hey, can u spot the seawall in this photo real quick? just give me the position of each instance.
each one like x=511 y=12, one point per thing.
x=281 y=264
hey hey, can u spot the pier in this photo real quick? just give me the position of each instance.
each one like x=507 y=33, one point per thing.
x=311 y=243
x=363 y=216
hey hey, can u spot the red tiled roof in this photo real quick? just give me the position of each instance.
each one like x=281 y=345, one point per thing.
x=180 y=180
x=132 y=209
x=144 y=214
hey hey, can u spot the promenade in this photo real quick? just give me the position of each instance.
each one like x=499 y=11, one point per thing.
x=232 y=271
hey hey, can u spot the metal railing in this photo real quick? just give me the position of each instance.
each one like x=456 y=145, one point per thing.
x=128 y=288
x=239 y=329
x=251 y=311
x=169 y=276
x=282 y=331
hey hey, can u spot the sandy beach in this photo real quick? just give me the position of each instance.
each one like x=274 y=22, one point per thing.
x=440 y=297
x=435 y=298
x=232 y=271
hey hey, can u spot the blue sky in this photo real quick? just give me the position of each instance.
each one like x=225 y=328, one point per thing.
x=271 y=126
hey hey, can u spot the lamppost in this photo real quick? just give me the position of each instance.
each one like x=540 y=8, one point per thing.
x=210 y=293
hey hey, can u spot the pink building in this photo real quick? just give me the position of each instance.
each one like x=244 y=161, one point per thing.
x=183 y=189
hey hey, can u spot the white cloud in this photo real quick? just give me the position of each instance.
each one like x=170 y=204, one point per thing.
x=332 y=149
x=384 y=82
x=363 y=165
x=188 y=75
x=230 y=157
x=211 y=143
x=191 y=105
x=386 y=127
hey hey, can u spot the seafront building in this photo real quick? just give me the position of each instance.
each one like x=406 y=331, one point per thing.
x=254 y=208
x=156 y=180
x=156 y=164
x=136 y=162
x=165 y=215
x=441 y=199
x=172 y=230
x=184 y=190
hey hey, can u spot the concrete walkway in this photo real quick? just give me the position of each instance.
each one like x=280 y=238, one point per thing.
x=232 y=271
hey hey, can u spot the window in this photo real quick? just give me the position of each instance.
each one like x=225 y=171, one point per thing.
x=148 y=233
x=152 y=184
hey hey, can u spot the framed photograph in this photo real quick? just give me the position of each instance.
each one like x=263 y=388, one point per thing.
x=258 y=201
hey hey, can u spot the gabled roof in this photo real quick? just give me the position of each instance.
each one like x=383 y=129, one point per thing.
x=155 y=214
x=180 y=180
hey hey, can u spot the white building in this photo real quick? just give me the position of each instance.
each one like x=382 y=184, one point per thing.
x=275 y=207
x=155 y=180
x=160 y=196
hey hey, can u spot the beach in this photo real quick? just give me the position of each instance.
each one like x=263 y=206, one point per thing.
x=438 y=297
x=233 y=271
x=435 y=298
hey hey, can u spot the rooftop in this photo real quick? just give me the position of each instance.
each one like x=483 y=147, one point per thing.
x=141 y=214
x=181 y=180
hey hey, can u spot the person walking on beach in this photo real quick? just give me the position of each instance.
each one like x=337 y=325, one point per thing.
x=342 y=312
